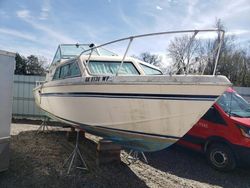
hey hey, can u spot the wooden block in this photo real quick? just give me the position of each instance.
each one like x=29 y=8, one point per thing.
x=82 y=135
x=107 y=145
x=71 y=135
x=107 y=152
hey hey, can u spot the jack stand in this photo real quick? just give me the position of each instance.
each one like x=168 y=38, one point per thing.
x=44 y=126
x=133 y=156
x=74 y=154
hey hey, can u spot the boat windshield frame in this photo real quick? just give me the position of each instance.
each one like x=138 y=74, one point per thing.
x=130 y=39
x=60 y=54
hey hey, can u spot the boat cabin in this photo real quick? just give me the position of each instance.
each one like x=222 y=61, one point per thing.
x=69 y=62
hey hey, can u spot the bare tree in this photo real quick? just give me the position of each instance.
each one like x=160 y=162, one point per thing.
x=150 y=58
x=200 y=56
x=183 y=51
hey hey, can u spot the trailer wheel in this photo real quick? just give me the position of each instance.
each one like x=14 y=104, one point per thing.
x=221 y=157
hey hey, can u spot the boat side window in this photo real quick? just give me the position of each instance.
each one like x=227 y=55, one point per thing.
x=64 y=71
x=67 y=71
x=111 y=67
x=150 y=71
x=57 y=74
x=74 y=69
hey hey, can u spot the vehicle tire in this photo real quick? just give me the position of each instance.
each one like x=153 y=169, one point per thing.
x=221 y=157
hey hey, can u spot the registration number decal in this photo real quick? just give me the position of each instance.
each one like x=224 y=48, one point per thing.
x=97 y=79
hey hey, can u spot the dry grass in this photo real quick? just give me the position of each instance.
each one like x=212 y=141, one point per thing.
x=37 y=161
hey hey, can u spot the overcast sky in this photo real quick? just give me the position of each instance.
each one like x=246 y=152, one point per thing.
x=38 y=26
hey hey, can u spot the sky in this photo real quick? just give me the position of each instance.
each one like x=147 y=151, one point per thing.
x=38 y=26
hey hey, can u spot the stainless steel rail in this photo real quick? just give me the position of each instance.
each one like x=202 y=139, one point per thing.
x=131 y=39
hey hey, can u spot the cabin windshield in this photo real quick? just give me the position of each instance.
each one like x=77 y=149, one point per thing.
x=233 y=104
x=71 y=51
x=68 y=51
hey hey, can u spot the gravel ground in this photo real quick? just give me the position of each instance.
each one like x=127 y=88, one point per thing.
x=37 y=161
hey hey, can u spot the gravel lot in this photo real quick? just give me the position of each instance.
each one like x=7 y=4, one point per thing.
x=37 y=161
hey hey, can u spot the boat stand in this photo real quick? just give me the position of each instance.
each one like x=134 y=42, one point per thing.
x=133 y=156
x=73 y=156
x=44 y=126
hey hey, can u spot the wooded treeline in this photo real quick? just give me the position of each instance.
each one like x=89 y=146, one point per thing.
x=31 y=65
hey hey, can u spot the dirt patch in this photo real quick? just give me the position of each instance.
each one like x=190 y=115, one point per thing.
x=37 y=161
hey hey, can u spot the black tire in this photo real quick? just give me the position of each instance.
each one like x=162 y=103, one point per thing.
x=221 y=157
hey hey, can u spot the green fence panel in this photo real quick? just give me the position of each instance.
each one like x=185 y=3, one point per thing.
x=24 y=106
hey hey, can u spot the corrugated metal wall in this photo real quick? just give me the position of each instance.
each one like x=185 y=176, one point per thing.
x=23 y=100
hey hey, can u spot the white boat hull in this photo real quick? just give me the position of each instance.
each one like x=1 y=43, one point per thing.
x=147 y=117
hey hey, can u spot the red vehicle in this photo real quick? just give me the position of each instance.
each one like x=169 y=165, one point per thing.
x=223 y=133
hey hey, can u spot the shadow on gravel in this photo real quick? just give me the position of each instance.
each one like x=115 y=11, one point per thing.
x=37 y=161
x=192 y=165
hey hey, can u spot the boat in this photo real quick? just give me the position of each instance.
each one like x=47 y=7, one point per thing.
x=123 y=99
